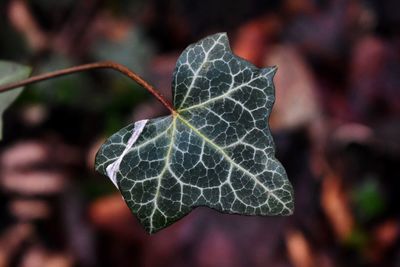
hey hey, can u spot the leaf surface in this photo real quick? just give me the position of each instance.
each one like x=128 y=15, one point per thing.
x=215 y=151
x=10 y=72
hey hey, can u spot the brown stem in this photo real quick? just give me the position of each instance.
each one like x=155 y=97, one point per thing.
x=98 y=65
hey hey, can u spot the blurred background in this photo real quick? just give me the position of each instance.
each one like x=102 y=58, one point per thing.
x=336 y=124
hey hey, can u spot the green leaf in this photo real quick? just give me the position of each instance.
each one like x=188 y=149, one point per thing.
x=215 y=151
x=10 y=72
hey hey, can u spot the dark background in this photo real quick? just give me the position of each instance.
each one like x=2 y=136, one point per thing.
x=336 y=124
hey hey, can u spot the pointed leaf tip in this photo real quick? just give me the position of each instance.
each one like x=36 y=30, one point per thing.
x=269 y=72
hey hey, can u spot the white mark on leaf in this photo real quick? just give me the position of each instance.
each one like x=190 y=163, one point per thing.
x=113 y=168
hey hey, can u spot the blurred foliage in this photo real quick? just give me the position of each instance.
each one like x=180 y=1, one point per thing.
x=10 y=72
x=358 y=239
x=132 y=50
x=368 y=199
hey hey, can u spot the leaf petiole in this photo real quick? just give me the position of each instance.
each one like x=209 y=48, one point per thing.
x=97 y=65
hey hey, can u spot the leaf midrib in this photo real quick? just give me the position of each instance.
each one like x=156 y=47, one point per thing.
x=200 y=68
x=227 y=157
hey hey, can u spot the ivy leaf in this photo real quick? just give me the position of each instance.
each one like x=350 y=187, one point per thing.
x=10 y=72
x=216 y=150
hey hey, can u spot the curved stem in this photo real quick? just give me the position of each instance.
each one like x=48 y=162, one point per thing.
x=98 y=65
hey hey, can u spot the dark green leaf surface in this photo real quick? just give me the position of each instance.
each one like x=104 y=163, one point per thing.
x=215 y=151
x=10 y=72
